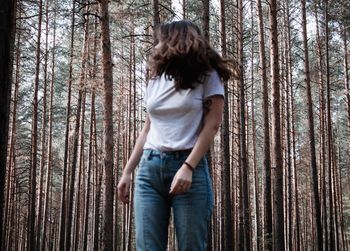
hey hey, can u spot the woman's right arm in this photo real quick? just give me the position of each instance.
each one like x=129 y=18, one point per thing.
x=125 y=180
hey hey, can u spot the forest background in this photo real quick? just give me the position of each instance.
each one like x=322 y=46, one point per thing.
x=280 y=165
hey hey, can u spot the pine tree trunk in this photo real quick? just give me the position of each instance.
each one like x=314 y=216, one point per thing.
x=43 y=134
x=329 y=134
x=322 y=131
x=257 y=217
x=267 y=160
x=316 y=198
x=276 y=130
x=80 y=190
x=347 y=89
x=7 y=26
x=98 y=183
x=34 y=142
x=108 y=125
x=12 y=156
x=72 y=186
x=64 y=196
x=91 y=142
x=156 y=19
x=289 y=159
x=226 y=187
x=49 y=146
x=184 y=16
x=205 y=19
x=245 y=235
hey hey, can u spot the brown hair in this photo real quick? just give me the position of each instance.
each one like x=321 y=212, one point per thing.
x=184 y=55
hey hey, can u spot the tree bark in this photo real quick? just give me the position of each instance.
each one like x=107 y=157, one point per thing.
x=43 y=134
x=7 y=21
x=48 y=193
x=108 y=125
x=329 y=132
x=347 y=94
x=225 y=144
x=276 y=130
x=34 y=142
x=156 y=19
x=266 y=119
x=245 y=235
x=70 y=223
x=64 y=196
x=205 y=18
x=316 y=198
x=322 y=129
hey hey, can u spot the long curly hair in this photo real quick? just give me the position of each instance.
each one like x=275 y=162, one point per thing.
x=184 y=55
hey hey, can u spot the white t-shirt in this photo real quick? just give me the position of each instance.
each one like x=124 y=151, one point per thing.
x=176 y=116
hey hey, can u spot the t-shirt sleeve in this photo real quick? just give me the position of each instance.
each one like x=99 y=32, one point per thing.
x=213 y=86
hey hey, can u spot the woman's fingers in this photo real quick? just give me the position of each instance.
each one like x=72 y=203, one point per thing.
x=123 y=192
x=179 y=186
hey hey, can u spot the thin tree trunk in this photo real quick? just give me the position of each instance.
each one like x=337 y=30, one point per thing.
x=91 y=141
x=43 y=134
x=258 y=227
x=81 y=165
x=329 y=132
x=267 y=160
x=205 y=19
x=288 y=88
x=347 y=89
x=12 y=157
x=156 y=19
x=245 y=235
x=70 y=223
x=276 y=130
x=49 y=153
x=316 y=197
x=98 y=182
x=34 y=142
x=226 y=188
x=108 y=125
x=7 y=26
x=322 y=132
x=184 y=15
x=64 y=196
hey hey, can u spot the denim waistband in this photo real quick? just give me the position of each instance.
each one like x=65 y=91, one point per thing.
x=150 y=153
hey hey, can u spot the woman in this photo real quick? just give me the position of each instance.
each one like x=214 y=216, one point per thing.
x=184 y=101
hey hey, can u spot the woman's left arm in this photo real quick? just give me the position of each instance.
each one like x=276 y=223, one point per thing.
x=214 y=106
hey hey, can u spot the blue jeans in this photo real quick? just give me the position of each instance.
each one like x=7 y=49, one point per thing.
x=152 y=202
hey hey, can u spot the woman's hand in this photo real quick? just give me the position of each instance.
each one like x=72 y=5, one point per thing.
x=124 y=187
x=182 y=180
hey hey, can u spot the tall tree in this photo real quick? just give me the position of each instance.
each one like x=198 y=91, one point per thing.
x=205 y=18
x=225 y=144
x=34 y=140
x=156 y=18
x=43 y=133
x=75 y=158
x=316 y=197
x=245 y=235
x=107 y=65
x=322 y=148
x=266 y=119
x=276 y=129
x=64 y=187
x=7 y=21
x=48 y=192
x=347 y=90
x=329 y=130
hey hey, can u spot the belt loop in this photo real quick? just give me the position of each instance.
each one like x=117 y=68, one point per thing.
x=149 y=156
